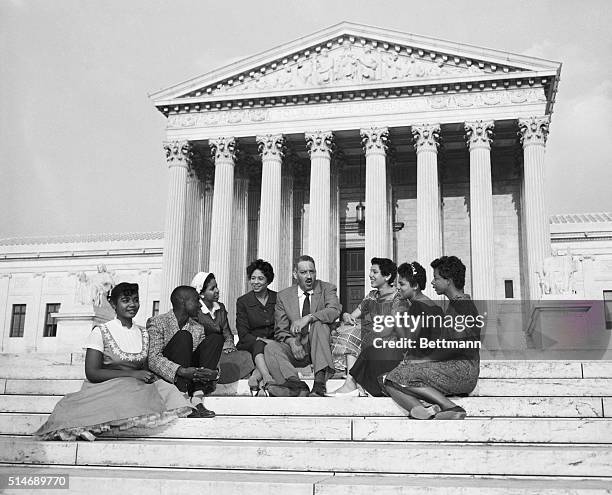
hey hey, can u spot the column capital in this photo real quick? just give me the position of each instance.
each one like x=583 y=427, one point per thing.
x=375 y=140
x=426 y=137
x=271 y=146
x=479 y=134
x=223 y=148
x=534 y=130
x=320 y=143
x=178 y=153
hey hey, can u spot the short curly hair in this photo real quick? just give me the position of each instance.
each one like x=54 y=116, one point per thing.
x=451 y=268
x=386 y=267
x=124 y=288
x=414 y=274
x=264 y=267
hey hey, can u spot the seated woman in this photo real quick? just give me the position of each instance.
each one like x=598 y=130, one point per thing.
x=365 y=362
x=255 y=322
x=432 y=376
x=119 y=392
x=233 y=364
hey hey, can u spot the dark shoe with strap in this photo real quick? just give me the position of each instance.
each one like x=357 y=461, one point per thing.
x=201 y=412
x=318 y=390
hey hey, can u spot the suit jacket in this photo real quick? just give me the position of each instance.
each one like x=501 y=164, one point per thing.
x=254 y=320
x=324 y=307
x=161 y=329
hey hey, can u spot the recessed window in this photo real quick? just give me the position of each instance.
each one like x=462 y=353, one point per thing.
x=509 y=289
x=155 y=311
x=18 y=320
x=607 y=297
x=50 y=322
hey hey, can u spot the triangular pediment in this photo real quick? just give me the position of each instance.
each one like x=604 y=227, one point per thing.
x=353 y=56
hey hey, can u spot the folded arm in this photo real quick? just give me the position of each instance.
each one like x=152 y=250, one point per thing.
x=158 y=363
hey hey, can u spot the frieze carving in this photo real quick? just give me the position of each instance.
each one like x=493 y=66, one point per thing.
x=319 y=143
x=375 y=140
x=426 y=137
x=223 y=148
x=534 y=130
x=350 y=108
x=178 y=153
x=346 y=64
x=479 y=134
x=271 y=146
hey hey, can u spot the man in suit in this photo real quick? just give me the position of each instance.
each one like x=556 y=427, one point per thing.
x=179 y=350
x=303 y=315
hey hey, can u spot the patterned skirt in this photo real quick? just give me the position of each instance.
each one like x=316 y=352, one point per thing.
x=452 y=377
x=346 y=340
x=112 y=406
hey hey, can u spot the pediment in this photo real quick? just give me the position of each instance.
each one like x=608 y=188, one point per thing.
x=353 y=56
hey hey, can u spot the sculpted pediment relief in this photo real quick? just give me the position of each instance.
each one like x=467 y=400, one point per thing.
x=345 y=65
x=350 y=57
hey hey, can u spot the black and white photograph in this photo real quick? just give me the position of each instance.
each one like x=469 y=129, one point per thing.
x=334 y=247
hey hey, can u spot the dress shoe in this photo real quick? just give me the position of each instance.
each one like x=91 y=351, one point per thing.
x=352 y=393
x=201 y=412
x=318 y=390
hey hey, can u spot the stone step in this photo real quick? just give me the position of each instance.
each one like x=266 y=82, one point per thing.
x=29 y=367
x=479 y=430
x=350 y=457
x=548 y=407
x=138 y=481
x=487 y=387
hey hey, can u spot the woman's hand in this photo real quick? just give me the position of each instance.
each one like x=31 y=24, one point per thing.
x=348 y=318
x=267 y=341
x=144 y=375
x=228 y=346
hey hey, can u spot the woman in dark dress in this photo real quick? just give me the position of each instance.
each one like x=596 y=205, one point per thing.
x=212 y=316
x=435 y=372
x=255 y=321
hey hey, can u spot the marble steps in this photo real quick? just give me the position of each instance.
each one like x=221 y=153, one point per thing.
x=71 y=367
x=139 y=481
x=547 y=407
x=487 y=387
x=336 y=456
x=472 y=430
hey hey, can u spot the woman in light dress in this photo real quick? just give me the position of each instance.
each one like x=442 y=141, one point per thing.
x=119 y=392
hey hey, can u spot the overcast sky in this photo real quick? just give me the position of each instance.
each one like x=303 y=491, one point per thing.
x=81 y=143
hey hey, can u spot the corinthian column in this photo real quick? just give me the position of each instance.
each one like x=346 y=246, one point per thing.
x=320 y=146
x=271 y=148
x=374 y=141
x=429 y=232
x=479 y=135
x=191 y=246
x=533 y=134
x=224 y=153
x=178 y=157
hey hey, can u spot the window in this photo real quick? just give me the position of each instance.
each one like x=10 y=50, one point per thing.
x=50 y=322
x=18 y=320
x=509 y=289
x=607 y=297
x=155 y=311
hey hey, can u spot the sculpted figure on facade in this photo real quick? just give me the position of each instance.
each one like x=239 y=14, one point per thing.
x=101 y=284
x=324 y=64
x=367 y=65
x=559 y=274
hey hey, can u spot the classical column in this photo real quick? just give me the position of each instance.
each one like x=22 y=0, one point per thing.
x=286 y=253
x=191 y=249
x=334 y=225
x=375 y=142
x=239 y=228
x=224 y=153
x=479 y=135
x=178 y=157
x=320 y=146
x=207 y=201
x=533 y=134
x=429 y=233
x=271 y=149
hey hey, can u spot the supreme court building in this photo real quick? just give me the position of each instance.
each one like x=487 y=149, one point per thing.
x=357 y=142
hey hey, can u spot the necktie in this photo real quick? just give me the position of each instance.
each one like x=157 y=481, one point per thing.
x=306 y=311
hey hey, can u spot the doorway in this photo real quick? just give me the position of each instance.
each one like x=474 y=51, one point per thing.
x=351 y=278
